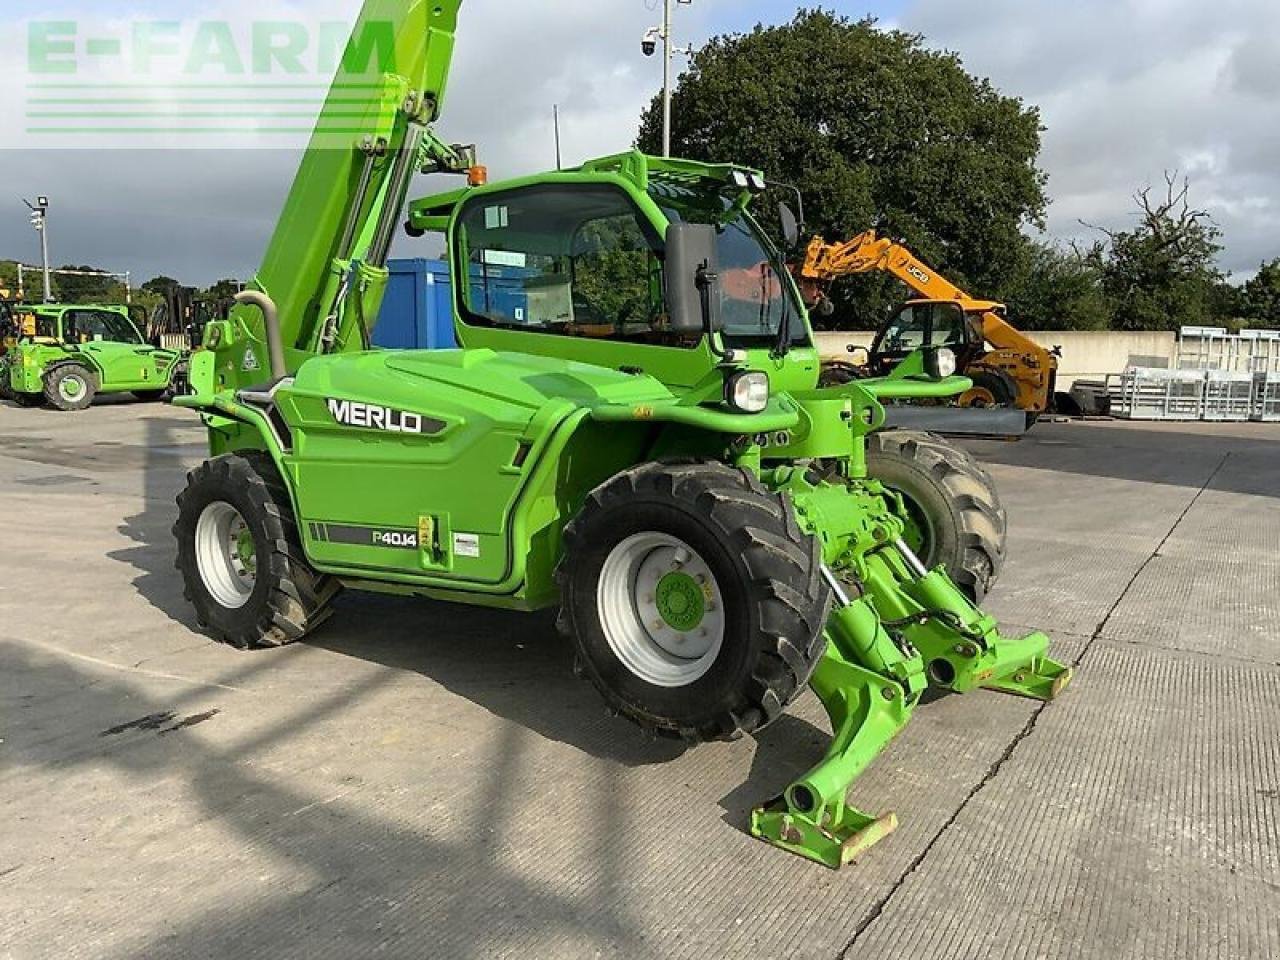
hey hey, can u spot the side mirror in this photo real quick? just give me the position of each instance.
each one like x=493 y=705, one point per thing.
x=858 y=356
x=693 y=284
x=790 y=226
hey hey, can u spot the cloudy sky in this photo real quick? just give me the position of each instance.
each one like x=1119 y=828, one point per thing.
x=1127 y=88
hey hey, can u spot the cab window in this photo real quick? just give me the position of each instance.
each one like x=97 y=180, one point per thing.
x=43 y=325
x=577 y=261
x=910 y=331
x=89 y=326
x=924 y=324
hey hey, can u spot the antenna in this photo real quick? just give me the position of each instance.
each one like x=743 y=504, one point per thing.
x=556 y=111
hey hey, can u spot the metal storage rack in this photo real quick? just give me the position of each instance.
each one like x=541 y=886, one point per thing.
x=1205 y=348
x=1228 y=395
x=1212 y=348
x=1259 y=351
x=1154 y=393
x=1266 y=396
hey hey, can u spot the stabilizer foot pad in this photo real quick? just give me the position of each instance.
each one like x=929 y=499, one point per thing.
x=838 y=837
x=1042 y=679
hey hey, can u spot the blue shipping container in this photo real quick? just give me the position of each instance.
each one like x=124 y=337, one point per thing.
x=417 y=311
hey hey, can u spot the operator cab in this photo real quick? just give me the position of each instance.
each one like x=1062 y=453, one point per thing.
x=585 y=256
x=928 y=323
x=96 y=325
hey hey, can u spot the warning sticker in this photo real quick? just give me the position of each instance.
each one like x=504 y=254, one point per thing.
x=466 y=545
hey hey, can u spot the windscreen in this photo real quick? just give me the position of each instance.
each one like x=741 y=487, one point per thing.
x=88 y=326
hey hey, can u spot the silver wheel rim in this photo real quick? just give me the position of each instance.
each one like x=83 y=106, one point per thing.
x=71 y=388
x=636 y=628
x=226 y=574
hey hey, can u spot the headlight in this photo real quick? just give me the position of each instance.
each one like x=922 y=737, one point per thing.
x=747 y=391
x=940 y=362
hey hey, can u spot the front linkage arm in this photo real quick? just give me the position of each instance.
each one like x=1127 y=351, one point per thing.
x=870 y=681
x=896 y=628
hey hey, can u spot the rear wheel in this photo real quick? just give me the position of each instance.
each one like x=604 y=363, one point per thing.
x=954 y=513
x=70 y=387
x=241 y=557
x=693 y=599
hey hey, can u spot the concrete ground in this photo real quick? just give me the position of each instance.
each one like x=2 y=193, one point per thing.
x=430 y=781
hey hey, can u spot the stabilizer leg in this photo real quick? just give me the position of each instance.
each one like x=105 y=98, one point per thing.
x=867 y=709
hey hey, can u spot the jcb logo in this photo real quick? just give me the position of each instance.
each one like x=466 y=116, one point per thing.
x=919 y=274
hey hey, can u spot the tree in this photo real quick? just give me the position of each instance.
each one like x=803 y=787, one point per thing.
x=73 y=288
x=1260 y=297
x=874 y=129
x=1056 y=289
x=160 y=285
x=9 y=277
x=224 y=289
x=1162 y=274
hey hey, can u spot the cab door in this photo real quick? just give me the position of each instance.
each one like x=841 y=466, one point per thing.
x=115 y=346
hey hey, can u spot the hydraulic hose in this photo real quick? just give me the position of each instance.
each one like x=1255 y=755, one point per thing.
x=271 y=319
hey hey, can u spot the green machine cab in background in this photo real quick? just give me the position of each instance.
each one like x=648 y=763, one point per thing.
x=636 y=436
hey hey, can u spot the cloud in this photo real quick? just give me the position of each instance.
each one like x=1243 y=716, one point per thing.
x=202 y=214
x=1131 y=88
x=1127 y=89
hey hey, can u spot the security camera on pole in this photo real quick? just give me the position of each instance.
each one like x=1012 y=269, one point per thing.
x=649 y=45
x=40 y=220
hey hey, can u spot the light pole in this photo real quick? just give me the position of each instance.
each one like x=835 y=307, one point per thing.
x=650 y=46
x=40 y=220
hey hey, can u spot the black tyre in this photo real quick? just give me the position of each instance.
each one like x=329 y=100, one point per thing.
x=151 y=396
x=693 y=599
x=241 y=557
x=836 y=373
x=70 y=386
x=991 y=388
x=955 y=514
x=21 y=399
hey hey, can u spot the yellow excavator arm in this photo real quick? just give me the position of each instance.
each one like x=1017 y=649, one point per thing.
x=1030 y=366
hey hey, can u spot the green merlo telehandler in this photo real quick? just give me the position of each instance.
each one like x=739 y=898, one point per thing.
x=65 y=355
x=632 y=430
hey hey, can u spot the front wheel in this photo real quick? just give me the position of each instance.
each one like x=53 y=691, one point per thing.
x=991 y=388
x=241 y=558
x=954 y=515
x=693 y=599
x=70 y=387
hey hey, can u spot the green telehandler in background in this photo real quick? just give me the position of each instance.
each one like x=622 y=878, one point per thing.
x=67 y=354
x=632 y=431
